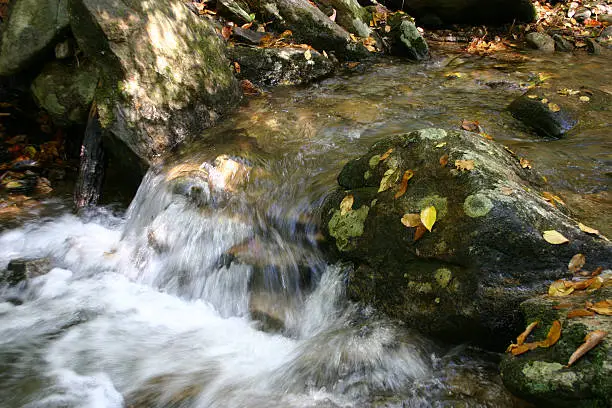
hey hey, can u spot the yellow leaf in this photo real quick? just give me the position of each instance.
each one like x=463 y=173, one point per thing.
x=584 y=98
x=553 y=199
x=603 y=308
x=544 y=101
x=553 y=107
x=532 y=96
x=554 y=237
x=526 y=164
x=576 y=263
x=442 y=144
x=307 y=55
x=347 y=204
x=559 y=288
x=411 y=220
x=464 y=165
x=428 y=217
x=588 y=230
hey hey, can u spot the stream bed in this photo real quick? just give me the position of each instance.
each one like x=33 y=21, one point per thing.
x=209 y=294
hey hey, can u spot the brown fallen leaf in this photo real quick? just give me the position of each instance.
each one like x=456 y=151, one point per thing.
x=576 y=263
x=404 y=183
x=588 y=230
x=444 y=160
x=419 y=232
x=597 y=271
x=562 y=306
x=248 y=88
x=347 y=204
x=582 y=285
x=386 y=155
x=411 y=220
x=464 y=165
x=507 y=191
x=602 y=308
x=553 y=335
x=579 y=313
x=470 y=126
x=526 y=164
x=591 y=340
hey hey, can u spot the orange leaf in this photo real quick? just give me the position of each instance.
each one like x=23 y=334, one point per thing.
x=553 y=335
x=464 y=165
x=562 y=306
x=404 y=184
x=603 y=308
x=523 y=348
x=236 y=67
x=523 y=336
x=470 y=126
x=419 y=232
x=248 y=88
x=386 y=155
x=579 y=313
x=582 y=285
x=526 y=164
x=444 y=160
x=591 y=340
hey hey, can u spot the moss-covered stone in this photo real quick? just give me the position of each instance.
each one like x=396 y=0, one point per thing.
x=477 y=205
x=343 y=227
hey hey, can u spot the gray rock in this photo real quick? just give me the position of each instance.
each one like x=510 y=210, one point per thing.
x=582 y=13
x=543 y=117
x=66 y=90
x=349 y=15
x=64 y=49
x=606 y=34
x=406 y=39
x=280 y=66
x=561 y=44
x=541 y=41
x=32 y=30
x=486 y=253
x=237 y=9
x=540 y=376
x=249 y=36
x=593 y=47
x=19 y=270
x=164 y=74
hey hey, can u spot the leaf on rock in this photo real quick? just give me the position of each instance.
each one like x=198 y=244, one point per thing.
x=523 y=336
x=582 y=285
x=419 y=232
x=552 y=199
x=444 y=160
x=559 y=288
x=591 y=340
x=347 y=204
x=553 y=335
x=526 y=164
x=411 y=220
x=579 y=313
x=386 y=155
x=470 y=126
x=576 y=263
x=428 y=217
x=404 y=183
x=226 y=32
x=584 y=98
x=464 y=165
x=388 y=180
x=506 y=191
x=441 y=144
x=554 y=237
x=523 y=348
x=588 y=230
x=307 y=55
x=602 y=308
x=553 y=107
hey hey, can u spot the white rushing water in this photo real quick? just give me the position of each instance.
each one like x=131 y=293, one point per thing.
x=139 y=311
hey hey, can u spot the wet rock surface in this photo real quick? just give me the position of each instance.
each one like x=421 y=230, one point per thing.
x=486 y=252
x=541 y=41
x=21 y=270
x=542 y=377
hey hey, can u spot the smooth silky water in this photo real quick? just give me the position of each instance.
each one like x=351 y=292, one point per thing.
x=209 y=293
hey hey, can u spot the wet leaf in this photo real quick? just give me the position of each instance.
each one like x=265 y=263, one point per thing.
x=347 y=204
x=588 y=230
x=567 y=92
x=559 y=288
x=562 y=306
x=552 y=199
x=419 y=232
x=404 y=183
x=236 y=67
x=582 y=285
x=532 y=96
x=388 y=180
x=523 y=348
x=444 y=160
x=428 y=217
x=248 y=88
x=579 y=313
x=590 y=341
x=553 y=107
x=386 y=155
x=596 y=285
x=526 y=164
x=470 y=126
x=553 y=335
x=411 y=220
x=523 y=336
x=544 y=101
x=464 y=165
x=554 y=237
x=576 y=263
x=602 y=308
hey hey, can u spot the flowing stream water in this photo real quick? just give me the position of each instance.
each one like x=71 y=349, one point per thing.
x=212 y=291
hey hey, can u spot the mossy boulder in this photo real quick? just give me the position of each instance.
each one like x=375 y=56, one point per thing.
x=65 y=90
x=349 y=15
x=405 y=38
x=164 y=73
x=541 y=376
x=31 y=32
x=486 y=252
x=279 y=66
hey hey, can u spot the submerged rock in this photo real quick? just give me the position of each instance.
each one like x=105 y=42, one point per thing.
x=541 y=376
x=280 y=66
x=541 y=41
x=31 y=31
x=485 y=253
x=164 y=75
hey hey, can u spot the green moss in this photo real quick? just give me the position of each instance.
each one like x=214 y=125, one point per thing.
x=374 y=160
x=347 y=226
x=543 y=378
x=443 y=276
x=432 y=134
x=477 y=205
x=441 y=204
x=367 y=175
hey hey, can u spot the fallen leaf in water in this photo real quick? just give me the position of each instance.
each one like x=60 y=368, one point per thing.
x=386 y=155
x=388 y=180
x=603 y=308
x=567 y=92
x=544 y=101
x=576 y=263
x=588 y=230
x=553 y=107
x=464 y=165
x=471 y=126
x=579 y=313
x=404 y=183
x=444 y=160
x=532 y=96
x=411 y=220
x=428 y=217
x=559 y=288
x=554 y=237
x=441 y=144
x=526 y=164
x=347 y=204
x=553 y=335
x=591 y=340
x=486 y=136
x=419 y=232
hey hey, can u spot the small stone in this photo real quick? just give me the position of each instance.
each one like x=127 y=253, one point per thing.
x=19 y=270
x=582 y=13
x=541 y=41
x=593 y=47
x=64 y=50
x=561 y=44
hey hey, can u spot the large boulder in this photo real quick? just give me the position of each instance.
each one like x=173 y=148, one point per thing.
x=541 y=376
x=65 y=90
x=164 y=74
x=486 y=252
x=348 y=14
x=31 y=31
